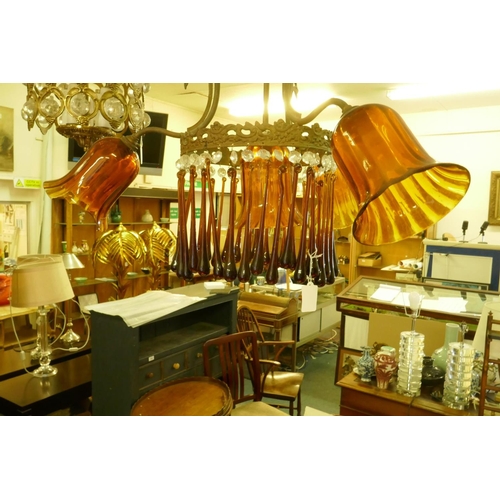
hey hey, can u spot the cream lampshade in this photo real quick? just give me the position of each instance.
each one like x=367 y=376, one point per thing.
x=38 y=281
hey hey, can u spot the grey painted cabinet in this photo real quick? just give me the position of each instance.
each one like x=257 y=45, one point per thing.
x=128 y=362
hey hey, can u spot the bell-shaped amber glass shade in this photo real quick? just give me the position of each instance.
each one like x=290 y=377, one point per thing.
x=387 y=186
x=96 y=182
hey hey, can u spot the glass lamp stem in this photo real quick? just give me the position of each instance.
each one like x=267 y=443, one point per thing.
x=45 y=369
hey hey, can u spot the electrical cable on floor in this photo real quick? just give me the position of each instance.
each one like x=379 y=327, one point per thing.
x=317 y=347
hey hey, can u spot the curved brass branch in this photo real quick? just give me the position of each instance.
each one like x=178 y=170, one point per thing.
x=210 y=109
x=206 y=118
x=296 y=117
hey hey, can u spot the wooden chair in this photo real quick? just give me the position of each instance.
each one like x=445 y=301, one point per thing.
x=492 y=333
x=276 y=383
x=239 y=356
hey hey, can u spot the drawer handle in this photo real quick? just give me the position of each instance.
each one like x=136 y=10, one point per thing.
x=176 y=366
x=199 y=354
x=150 y=375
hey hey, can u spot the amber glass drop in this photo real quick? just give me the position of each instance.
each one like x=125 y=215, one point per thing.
x=203 y=255
x=216 y=255
x=183 y=269
x=229 y=263
x=257 y=265
x=287 y=257
x=300 y=273
x=389 y=188
x=272 y=269
x=96 y=182
x=244 y=273
x=193 y=252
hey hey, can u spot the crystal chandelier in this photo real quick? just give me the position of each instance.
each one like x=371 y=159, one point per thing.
x=86 y=111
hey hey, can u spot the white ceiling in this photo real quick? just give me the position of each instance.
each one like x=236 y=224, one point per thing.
x=194 y=97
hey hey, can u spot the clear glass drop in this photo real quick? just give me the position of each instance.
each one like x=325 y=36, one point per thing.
x=147 y=120
x=80 y=104
x=295 y=157
x=114 y=109
x=278 y=154
x=205 y=156
x=184 y=160
x=264 y=154
x=136 y=115
x=247 y=155
x=307 y=157
x=51 y=106
x=29 y=110
x=233 y=157
x=216 y=156
x=221 y=172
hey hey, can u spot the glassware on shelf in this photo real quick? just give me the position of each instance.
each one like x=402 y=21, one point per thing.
x=411 y=355
x=385 y=365
x=459 y=375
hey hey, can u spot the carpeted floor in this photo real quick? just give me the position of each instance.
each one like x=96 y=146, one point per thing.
x=319 y=360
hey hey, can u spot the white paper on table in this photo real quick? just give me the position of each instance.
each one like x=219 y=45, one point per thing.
x=386 y=293
x=137 y=311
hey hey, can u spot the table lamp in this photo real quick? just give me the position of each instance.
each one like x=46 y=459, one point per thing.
x=38 y=281
x=70 y=261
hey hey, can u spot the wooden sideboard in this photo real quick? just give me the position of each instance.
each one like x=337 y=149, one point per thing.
x=127 y=362
x=366 y=399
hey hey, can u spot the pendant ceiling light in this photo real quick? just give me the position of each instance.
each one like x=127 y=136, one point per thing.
x=369 y=172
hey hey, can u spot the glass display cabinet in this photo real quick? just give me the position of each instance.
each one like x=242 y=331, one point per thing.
x=366 y=296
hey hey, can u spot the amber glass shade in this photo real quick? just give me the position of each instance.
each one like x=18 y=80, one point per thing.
x=387 y=186
x=96 y=182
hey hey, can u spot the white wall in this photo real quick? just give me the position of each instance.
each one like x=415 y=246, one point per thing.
x=469 y=137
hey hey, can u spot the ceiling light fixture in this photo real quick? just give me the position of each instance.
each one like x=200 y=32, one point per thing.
x=370 y=173
x=420 y=91
x=86 y=112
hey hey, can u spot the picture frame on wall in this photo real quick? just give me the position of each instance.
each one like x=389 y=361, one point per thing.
x=14 y=228
x=6 y=139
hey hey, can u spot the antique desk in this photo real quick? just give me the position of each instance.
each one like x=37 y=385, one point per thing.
x=365 y=399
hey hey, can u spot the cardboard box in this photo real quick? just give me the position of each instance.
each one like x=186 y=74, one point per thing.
x=370 y=259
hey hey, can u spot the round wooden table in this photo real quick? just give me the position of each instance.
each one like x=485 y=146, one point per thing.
x=190 y=396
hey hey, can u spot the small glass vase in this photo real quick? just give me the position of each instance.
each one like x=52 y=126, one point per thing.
x=365 y=365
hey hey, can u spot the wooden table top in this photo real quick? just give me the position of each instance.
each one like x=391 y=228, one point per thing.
x=190 y=396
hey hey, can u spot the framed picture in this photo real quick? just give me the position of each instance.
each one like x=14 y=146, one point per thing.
x=346 y=361
x=6 y=139
x=14 y=227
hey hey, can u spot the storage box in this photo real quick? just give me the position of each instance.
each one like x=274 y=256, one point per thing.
x=370 y=259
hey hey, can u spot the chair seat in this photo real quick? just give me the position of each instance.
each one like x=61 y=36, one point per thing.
x=284 y=385
x=256 y=409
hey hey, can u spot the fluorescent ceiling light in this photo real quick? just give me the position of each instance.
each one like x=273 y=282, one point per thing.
x=253 y=105
x=440 y=89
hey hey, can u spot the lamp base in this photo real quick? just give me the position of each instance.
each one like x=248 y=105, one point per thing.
x=45 y=371
x=70 y=337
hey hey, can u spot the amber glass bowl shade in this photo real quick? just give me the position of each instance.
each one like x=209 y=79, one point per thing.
x=387 y=186
x=96 y=182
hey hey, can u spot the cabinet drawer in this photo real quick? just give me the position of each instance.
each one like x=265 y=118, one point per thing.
x=174 y=365
x=149 y=374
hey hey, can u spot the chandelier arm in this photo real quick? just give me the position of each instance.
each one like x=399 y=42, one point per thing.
x=296 y=117
x=210 y=109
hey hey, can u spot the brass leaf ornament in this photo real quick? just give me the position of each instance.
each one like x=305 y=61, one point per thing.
x=160 y=245
x=122 y=249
